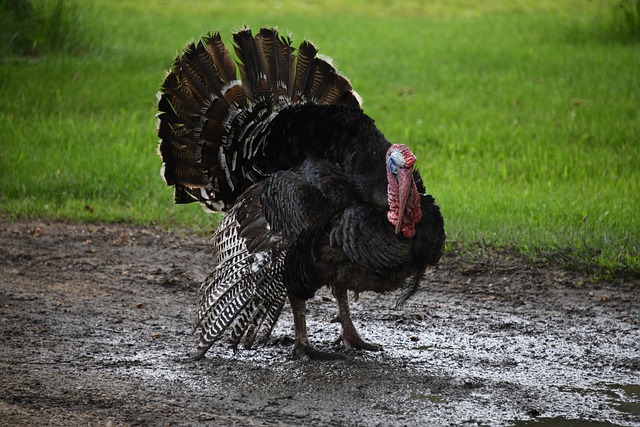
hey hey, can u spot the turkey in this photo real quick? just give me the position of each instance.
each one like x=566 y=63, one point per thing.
x=313 y=193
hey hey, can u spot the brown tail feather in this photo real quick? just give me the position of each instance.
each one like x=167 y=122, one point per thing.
x=277 y=56
x=305 y=66
x=224 y=64
x=207 y=117
x=252 y=67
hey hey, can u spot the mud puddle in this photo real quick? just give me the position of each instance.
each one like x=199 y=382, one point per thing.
x=95 y=330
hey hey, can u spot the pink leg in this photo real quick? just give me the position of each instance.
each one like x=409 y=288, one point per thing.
x=350 y=337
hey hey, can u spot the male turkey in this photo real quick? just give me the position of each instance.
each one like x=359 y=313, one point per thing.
x=313 y=193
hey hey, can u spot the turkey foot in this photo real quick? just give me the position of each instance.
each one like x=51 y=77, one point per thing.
x=349 y=336
x=302 y=347
x=351 y=339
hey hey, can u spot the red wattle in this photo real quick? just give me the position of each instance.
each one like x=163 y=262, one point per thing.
x=412 y=212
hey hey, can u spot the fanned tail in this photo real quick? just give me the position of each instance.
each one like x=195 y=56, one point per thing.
x=214 y=128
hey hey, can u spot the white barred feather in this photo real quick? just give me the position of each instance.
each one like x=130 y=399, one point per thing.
x=245 y=292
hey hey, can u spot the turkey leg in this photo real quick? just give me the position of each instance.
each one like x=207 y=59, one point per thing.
x=350 y=337
x=302 y=347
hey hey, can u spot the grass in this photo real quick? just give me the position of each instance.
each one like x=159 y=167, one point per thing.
x=524 y=115
x=33 y=28
x=624 y=22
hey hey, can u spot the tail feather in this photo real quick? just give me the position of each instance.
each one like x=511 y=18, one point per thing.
x=222 y=61
x=305 y=67
x=193 y=83
x=182 y=108
x=214 y=128
x=214 y=64
x=252 y=67
x=267 y=48
x=285 y=60
x=235 y=95
x=277 y=55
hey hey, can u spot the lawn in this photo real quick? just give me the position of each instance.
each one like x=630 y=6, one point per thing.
x=525 y=115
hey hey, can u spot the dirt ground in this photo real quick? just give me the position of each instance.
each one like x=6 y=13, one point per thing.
x=95 y=330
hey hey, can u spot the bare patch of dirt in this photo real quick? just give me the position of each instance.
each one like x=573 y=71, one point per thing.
x=95 y=325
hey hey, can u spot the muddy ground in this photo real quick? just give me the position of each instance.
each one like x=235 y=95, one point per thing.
x=95 y=330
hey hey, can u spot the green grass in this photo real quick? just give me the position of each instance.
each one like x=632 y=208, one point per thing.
x=524 y=115
x=39 y=27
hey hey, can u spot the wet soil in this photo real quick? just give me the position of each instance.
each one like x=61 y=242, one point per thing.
x=95 y=330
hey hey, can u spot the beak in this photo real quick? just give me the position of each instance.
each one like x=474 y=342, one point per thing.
x=405 y=184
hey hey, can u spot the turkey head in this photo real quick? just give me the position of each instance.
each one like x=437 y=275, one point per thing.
x=404 y=199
